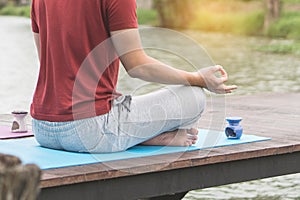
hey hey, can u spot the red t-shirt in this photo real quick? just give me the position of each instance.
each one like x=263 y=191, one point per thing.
x=79 y=66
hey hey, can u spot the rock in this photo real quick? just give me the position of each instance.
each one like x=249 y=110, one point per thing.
x=17 y=181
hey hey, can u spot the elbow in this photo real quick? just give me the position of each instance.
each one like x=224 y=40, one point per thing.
x=136 y=72
x=137 y=64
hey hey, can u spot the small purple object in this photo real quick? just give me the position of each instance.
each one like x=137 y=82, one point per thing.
x=234 y=130
x=5 y=133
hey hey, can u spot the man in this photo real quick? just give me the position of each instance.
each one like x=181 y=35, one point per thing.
x=76 y=107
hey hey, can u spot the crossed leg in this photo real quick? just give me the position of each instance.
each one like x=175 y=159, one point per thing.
x=166 y=117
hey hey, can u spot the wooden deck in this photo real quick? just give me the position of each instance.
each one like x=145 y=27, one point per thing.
x=271 y=115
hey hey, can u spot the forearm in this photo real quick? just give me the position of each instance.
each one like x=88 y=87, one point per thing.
x=149 y=69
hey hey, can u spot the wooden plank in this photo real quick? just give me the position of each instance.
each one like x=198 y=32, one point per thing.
x=270 y=115
x=162 y=163
x=178 y=180
x=260 y=110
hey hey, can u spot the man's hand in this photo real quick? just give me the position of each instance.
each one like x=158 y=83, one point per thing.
x=214 y=80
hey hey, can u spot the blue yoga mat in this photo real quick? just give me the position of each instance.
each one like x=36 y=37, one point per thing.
x=29 y=151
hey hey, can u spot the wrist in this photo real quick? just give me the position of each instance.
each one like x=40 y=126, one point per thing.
x=196 y=79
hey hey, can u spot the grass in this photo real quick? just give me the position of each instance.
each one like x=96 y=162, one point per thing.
x=23 y=11
x=286 y=27
x=148 y=17
x=291 y=48
x=291 y=1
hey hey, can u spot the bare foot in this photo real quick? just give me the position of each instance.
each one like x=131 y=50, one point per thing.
x=179 y=137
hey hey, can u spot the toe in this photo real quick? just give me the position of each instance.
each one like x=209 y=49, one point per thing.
x=188 y=143
x=193 y=137
x=193 y=131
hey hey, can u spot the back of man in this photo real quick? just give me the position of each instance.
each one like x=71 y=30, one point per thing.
x=69 y=31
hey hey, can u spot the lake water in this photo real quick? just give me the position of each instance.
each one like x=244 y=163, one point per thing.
x=253 y=71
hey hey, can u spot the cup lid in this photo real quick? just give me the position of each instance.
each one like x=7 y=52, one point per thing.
x=234 y=119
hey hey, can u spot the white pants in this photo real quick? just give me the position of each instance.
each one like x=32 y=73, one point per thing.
x=131 y=121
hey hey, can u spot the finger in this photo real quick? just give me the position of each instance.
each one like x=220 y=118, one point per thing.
x=224 y=74
x=230 y=88
x=226 y=89
x=216 y=68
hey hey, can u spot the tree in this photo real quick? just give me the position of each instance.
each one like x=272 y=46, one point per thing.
x=273 y=10
x=174 y=13
x=3 y=3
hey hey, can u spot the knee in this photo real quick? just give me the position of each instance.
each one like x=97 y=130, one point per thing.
x=195 y=96
x=193 y=99
x=200 y=99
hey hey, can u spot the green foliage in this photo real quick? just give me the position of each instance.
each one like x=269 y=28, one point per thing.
x=148 y=17
x=293 y=48
x=291 y=1
x=287 y=26
x=16 y=11
x=231 y=16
